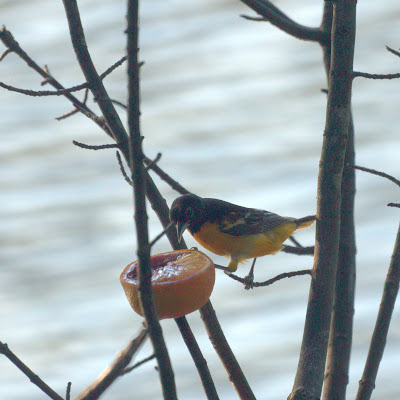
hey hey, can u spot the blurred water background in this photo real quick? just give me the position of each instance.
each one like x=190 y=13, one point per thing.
x=236 y=109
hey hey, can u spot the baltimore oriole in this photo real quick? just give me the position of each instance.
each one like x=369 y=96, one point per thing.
x=233 y=231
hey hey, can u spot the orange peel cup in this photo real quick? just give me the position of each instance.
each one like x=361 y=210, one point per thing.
x=182 y=282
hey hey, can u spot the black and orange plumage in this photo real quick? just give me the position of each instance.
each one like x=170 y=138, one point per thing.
x=236 y=232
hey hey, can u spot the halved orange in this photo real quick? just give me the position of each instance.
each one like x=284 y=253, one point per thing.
x=182 y=282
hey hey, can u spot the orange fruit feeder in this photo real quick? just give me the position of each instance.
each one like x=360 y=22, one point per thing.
x=182 y=282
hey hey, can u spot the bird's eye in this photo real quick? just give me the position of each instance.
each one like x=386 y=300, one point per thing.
x=189 y=213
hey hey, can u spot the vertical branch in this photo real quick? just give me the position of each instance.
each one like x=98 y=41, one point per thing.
x=340 y=339
x=198 y=359
x=378 y=341
x=225 y=353
x=310 y=371
x=138 y=178
x=95 y=83
x=341 y=334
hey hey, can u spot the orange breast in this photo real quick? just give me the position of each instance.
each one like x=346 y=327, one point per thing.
x=243 y=247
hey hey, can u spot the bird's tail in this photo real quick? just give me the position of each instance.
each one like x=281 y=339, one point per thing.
x=305 y=221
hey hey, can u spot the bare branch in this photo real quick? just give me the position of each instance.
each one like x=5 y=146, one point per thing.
x=276 y=17
x=4 y=55
x=198 y=359
x=272 y=280
x=375 y=172
x=115 y=370
x=311 y=366
x=68 y=391
x=395 y=52
x=138 y=364
x=9 y=41
x=165 y=177
x=93 y=147
x=35 y=379
x=256 y=19
x=160 y=235
x=378 y=340
x=357 y=74
x=121 y=167
x=221 y=346
x=139 y=173
x=300 y=251
x=154 y=162
x=43 y=93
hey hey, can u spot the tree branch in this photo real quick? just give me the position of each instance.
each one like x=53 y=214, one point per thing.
x=274 y=279
x=35 y=379
x=139 y=190
x=300 y=251
x=277 y=18
x=115 y=370
x=378 y=340
x=8 y=40
x=60 y=92
x=225 y=353
x=92 y=77
x=357 y=74
x=310 y=370
x=378 y=173
x=198 y=359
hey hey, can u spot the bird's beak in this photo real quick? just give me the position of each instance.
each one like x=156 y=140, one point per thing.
x=180 y=228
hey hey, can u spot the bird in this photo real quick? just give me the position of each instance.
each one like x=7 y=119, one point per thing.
x=230 y=230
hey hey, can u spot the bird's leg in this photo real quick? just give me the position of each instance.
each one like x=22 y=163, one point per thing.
x=249 y=279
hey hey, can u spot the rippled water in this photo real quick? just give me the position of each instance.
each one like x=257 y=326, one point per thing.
x=236 y=109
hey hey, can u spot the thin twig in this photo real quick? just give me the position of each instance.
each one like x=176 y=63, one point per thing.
x=276 y=17
x=8 y=40
x=300 y=251
x=35 y=379
x=250 y=18
x=44 y=93
x=154 y=162
x=358 y=74
x=111 y=373
x=96 y=147
x=395 y=52
x=274 y=279
x=60 y=92
x=68 y=391
x=375 y=172
x=122 y=169
x=165 y=177
x=160 y=235
x=4 y=55
x=138 y=364
x=378 y=340
x=76 y=110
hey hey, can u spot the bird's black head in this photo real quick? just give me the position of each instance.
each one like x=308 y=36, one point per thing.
x=186 y=212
